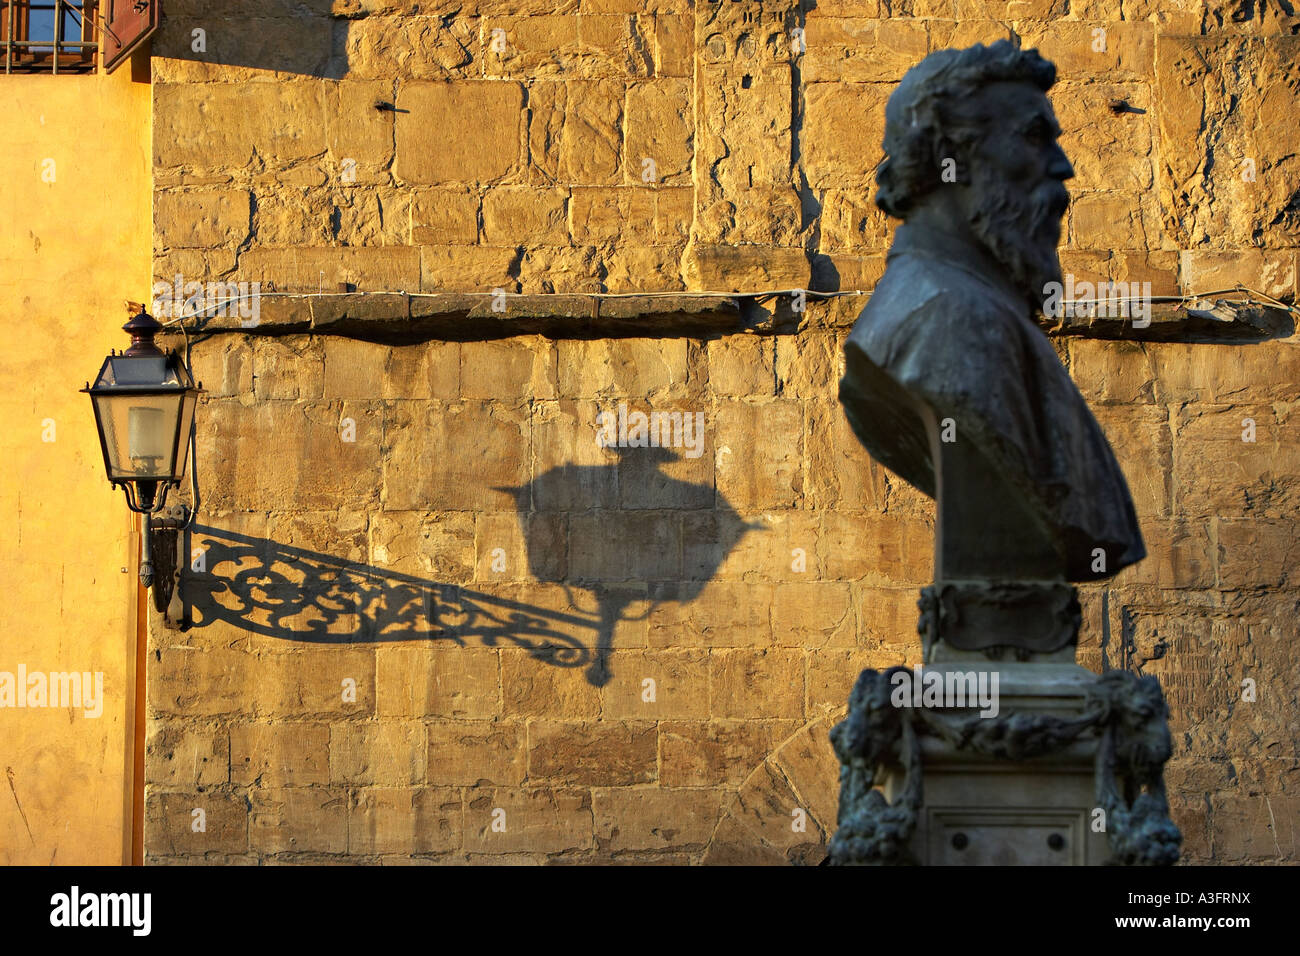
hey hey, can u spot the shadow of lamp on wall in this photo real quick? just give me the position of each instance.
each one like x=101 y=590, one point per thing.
x=144 y=402
x=634 y=550
x=633 y=537
x=282 y=591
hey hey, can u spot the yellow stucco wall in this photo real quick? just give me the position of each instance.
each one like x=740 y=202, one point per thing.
x=71 y=251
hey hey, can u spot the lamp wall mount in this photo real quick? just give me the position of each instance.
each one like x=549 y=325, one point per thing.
x=161 y=551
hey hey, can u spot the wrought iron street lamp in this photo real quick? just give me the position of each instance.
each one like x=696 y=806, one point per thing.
x=144 y=402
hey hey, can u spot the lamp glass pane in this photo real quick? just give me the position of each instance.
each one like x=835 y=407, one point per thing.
x=132 y=370
x=139 y=434
x=183 y=439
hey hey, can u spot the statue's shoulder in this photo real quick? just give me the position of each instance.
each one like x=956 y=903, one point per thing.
x=925 y=298
x=910 y=284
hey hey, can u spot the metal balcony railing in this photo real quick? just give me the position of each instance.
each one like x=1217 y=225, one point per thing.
x=49 y=36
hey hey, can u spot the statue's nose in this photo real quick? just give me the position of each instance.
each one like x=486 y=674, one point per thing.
x=1060 y=167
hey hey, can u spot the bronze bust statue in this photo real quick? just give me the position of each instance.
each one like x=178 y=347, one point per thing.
x=949 y=381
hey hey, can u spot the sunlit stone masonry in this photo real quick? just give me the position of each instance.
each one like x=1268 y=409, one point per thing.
x=530 y=527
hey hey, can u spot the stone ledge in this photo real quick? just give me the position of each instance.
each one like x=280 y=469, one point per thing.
x=1218 y=321
x=398 y=318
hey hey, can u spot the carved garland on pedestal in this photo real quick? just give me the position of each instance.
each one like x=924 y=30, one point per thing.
x=1128 y=712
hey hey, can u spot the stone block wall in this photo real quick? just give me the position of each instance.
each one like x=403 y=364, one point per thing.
x=436 y=621
x=634 y=145
x=736 y=593
x=388 y=649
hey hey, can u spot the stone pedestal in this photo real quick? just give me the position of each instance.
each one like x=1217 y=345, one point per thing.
x=1036 y=762
x=982 y=811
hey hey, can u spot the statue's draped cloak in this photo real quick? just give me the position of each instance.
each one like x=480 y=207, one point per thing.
x=947 y=327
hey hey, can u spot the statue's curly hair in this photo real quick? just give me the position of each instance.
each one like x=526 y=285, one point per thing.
x=922 y=107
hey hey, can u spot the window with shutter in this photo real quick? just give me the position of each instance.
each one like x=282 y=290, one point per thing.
x=127 y=24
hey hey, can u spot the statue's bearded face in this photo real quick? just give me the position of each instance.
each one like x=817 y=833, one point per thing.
x=1016 y=195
